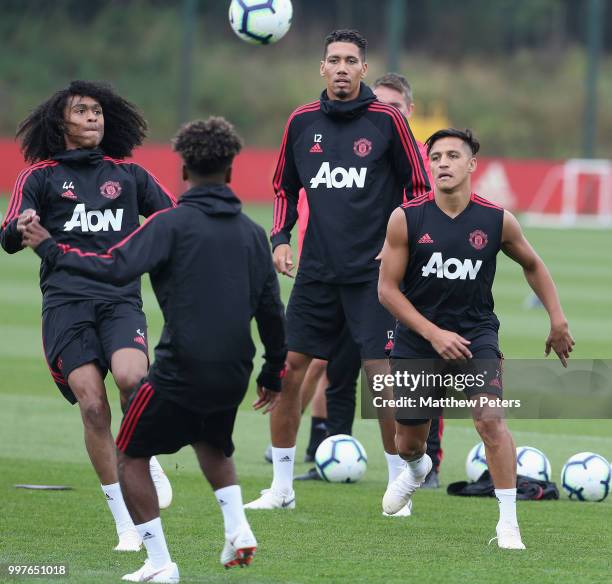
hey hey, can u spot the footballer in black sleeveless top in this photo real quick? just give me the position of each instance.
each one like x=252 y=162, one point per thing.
x=451 y=267
x=436 y=276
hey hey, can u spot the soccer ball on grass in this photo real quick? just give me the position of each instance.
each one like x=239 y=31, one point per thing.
x=531 y=462
x=586 y=477
x=341 y=459
x=476 y=462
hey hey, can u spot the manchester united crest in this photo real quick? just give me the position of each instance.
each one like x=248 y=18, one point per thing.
x=362 y=147
x=110 y=189
x=478 y=239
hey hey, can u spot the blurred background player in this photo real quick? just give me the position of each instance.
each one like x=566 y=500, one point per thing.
x=395 y=90
x=345 y=363
x=451 y=317
x=204 y=358
x=83 y=192
x=374 y=158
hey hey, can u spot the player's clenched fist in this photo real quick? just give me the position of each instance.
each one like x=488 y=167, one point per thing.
x=34 y=233
x=283 y=259
x=24 y=219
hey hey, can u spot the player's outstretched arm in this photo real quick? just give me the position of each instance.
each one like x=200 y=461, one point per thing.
x=394 y=260
x=515 y=246
x=142 y=251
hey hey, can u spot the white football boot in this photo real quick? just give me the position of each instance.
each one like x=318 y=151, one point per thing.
x=272 y=500
x=405 y=511
x=239 y=549
x=129 y=541
x=161 y=482
x=508 y=537
x=400 y=491
x=168 y=574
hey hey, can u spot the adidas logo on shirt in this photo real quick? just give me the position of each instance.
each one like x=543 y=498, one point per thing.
x=316 y=148
x=426 y=239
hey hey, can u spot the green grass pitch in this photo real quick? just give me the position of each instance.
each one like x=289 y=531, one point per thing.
x=337 y=533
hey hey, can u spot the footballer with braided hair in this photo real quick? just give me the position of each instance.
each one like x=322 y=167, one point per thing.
x=212 y=272
x=86 y=195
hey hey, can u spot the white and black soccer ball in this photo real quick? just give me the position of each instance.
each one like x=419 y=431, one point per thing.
x=341 y=459
x=531 y=462
x=261 y=22
x=476 y=462
x=586 y=477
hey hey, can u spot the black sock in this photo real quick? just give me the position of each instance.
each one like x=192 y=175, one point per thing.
x=318 y=433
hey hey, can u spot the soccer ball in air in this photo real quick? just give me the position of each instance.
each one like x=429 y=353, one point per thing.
x=476 y=462
x=586 y=477
x=531 y=462
x=260 y=22
x=341 y=459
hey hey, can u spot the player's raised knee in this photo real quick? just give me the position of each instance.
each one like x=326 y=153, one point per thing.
x=296 y=364
x=128 y=380
x=95 y=412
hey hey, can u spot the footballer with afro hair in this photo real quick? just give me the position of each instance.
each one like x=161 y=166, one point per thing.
x=211 y=270
x=208 y=148
x=80 y=190
x=43 y=132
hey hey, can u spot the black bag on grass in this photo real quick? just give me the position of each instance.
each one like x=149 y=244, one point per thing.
x=526 y=488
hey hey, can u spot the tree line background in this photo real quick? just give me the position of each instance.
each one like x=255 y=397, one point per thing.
x=513 y=70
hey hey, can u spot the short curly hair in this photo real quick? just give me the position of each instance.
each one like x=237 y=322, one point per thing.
x=345 y=35
x=207 y=146
x=42 y=132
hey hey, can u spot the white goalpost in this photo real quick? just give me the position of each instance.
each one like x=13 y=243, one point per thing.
x=574 y=212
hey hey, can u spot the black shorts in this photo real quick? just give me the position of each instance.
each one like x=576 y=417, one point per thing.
x=317 y=313
x=153 y=424
x=485 y=356
x=89 y=331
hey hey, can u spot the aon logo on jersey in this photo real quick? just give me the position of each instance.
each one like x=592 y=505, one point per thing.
x=94 y=220
x=339 y=178
x=452 y=268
